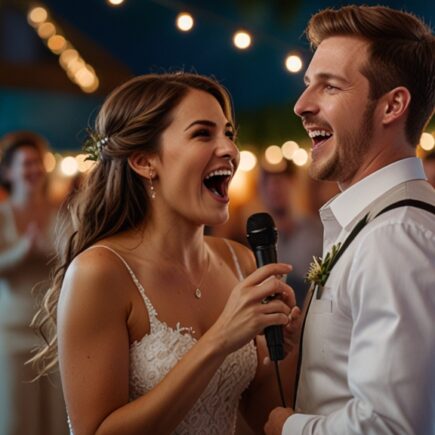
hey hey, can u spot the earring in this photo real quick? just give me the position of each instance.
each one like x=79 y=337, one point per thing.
x=152 y=190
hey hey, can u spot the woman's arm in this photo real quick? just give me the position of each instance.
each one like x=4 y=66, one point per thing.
x=94 y=348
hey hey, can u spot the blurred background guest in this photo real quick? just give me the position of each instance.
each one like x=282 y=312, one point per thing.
x=26 y=225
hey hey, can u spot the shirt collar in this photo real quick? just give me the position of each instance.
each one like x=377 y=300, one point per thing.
x=347 y=205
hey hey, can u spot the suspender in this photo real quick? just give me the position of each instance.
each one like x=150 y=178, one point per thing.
x=355 y=231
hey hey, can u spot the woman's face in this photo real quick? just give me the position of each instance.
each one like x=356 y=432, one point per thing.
x=197 y=161
x=27 y=171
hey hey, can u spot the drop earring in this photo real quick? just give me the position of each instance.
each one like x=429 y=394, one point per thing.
x=152 y=190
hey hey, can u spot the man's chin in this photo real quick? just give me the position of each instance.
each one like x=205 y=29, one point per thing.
x=325 y=172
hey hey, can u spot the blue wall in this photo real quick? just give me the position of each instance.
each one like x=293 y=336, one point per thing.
x=60 y=117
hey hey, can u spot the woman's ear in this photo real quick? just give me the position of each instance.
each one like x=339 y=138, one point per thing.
x=396 y=104
x=142 y=164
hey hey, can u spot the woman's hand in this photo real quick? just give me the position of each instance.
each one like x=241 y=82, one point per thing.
x=292 y=329
x=245 y=316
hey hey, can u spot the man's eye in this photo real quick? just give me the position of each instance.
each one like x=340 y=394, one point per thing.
x=330 y=88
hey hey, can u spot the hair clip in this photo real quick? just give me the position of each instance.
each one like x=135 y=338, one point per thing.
x=93 y=146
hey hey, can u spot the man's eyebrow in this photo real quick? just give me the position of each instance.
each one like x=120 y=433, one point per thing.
x=326 y=76
x=207 y=123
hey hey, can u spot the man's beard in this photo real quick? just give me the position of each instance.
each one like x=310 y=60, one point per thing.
x=349 y=152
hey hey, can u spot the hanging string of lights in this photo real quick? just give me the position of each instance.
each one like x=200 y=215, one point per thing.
x=83 y=74
x=78 y=71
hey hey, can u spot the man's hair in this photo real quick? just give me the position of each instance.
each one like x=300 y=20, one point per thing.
x=401 y=53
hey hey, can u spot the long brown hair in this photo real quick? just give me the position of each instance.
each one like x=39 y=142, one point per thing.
x=401 y=53
x=113 y=198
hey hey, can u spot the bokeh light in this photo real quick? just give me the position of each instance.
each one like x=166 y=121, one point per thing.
x=184 y=22
x=288 y=149
x=273 y=154
x=293 y=63
x=427 y=141
x=242 y=40
x=300 y=157
x=248 y=161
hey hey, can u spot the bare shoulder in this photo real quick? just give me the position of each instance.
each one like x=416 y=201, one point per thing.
x=242 y=253
x=97 y=278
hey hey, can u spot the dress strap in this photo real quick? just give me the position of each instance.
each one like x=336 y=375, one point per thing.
x=235 y=259
x=151 y=310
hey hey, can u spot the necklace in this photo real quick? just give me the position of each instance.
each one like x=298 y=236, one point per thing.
x=198 y=293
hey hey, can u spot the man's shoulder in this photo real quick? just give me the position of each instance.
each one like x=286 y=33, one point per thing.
x=419 y=190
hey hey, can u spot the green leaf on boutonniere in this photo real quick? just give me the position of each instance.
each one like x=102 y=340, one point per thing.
x=320 y=268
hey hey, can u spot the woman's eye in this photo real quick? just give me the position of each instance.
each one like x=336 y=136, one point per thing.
x=230 y=134
x=202 y=133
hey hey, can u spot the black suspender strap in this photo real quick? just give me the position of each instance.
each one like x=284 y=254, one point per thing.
x=355 y=231
x=410 y=202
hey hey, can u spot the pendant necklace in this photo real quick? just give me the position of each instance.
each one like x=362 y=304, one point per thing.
x=198 y=293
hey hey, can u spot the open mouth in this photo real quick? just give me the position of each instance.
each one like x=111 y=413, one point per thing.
x=319 y=137
x=217 y=182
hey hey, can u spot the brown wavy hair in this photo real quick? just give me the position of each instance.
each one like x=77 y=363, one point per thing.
x=113 y=198
x=401 y=53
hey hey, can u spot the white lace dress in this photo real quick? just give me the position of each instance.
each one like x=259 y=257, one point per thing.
x=152 y=357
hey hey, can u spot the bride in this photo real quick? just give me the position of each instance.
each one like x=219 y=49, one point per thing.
x=156 y=325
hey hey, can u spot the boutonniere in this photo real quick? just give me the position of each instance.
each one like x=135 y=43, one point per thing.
x=320 y=269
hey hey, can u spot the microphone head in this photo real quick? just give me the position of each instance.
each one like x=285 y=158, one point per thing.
x=261 y=230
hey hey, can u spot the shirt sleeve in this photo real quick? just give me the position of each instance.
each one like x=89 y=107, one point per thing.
x=391 y=373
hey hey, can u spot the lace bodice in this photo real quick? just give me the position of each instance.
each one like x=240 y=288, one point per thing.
x=152 y=357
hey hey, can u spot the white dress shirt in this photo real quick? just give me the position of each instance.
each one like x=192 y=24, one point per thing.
x=368 y=359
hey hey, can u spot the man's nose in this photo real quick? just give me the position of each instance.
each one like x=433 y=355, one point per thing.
x=305 y=103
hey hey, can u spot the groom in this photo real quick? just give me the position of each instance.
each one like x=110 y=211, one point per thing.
x=367 y=359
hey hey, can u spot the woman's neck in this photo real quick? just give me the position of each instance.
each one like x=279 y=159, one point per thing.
x=178 y=241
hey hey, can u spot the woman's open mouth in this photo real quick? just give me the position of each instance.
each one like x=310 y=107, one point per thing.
x=217 y=183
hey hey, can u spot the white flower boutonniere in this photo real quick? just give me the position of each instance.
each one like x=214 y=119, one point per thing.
x=320 y=269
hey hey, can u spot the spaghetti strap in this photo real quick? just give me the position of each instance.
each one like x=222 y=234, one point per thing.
x=235 y=259
x=151 y=310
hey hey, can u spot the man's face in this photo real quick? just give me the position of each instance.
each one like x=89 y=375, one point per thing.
x=336 y=111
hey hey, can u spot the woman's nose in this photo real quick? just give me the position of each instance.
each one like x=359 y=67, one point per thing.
x=228 y=149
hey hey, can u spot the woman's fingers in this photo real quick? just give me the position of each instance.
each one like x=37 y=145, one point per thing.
x=265 y=272
x=269 y=287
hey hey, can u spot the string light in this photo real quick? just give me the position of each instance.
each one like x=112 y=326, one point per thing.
x=69 y=166
x=248 y=161
x=293 y=63
x=46 y=30
x=70 y=60
x=115 y=2
x=300 y=157
x=273 y=154
x=288 y=149
x=427 y=141
x=37 y=15
x=242 y=40
x=184 y=21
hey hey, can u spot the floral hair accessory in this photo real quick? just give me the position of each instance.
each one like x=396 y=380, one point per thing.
x=93 y=145
x=320 y=268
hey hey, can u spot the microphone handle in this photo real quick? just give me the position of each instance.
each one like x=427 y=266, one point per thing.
x=274 y=336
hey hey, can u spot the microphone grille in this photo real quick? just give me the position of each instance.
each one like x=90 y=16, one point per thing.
x=261 y=230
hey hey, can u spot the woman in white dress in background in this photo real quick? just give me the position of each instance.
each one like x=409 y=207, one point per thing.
x=26 y=245
x=155 y=321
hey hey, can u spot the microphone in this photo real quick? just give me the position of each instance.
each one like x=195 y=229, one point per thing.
x=262 y=236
